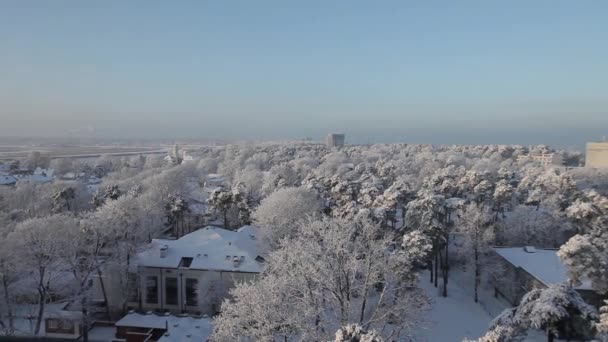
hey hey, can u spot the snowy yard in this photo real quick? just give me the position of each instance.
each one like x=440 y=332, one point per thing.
x=453 y=318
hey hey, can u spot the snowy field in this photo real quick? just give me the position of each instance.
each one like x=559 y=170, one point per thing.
x=453 y=318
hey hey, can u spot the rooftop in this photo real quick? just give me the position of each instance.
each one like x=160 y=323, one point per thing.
x=7 y=180
x=180 y=328
x=210 y=248
x=542 y=264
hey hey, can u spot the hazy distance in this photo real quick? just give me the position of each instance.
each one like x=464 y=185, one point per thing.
x=462 y=72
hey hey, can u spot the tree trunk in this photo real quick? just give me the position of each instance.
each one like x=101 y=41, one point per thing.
x=85 y=318
x=476 y=273
x=41 y=300
x=436 y=267
x=447 y=258
x=430 y=266
x=103 y=292
x=444 y=271
x=9 y=305
x=226 y=219
x=550 y=337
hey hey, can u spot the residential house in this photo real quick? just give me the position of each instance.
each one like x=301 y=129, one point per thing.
x=59 y=320
x=136 y=327
x=528 y=268
x=193 y=273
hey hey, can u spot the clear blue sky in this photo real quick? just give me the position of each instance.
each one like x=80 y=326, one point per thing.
x=518 y=71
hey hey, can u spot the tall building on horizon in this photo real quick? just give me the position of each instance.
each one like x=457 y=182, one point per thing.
x=596 y=154
x=335 y=140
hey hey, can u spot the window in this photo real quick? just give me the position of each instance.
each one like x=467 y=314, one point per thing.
x=59 y=326
x=191 y=292
x=152 y=290
x=185 y=262
x=171 y=290
x=52 y=324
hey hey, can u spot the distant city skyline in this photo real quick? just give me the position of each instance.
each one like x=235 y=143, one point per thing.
x=443 y=72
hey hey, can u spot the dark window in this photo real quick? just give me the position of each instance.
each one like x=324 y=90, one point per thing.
x=151 y=290
x=171 y=290
x=59 y=326
x=185 y=262
x=191 y=292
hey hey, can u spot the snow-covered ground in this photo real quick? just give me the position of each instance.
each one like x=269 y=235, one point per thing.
x=457 y=316
x=453 y=318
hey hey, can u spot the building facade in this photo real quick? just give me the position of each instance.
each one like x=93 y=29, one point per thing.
x=549 y=159
x=597 y=155
x=194 y=273
x=335 y=140
x=524 y=269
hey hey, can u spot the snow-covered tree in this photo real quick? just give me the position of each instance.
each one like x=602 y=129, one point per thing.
x=428 y=213
x=278 y=213
x=36 y=159
x=356 y=333
x=586 y=256
x=602 y=325
x=333 y=273
x=503 y=194
x=221 y=201
x=551 y=309
x=62 y=199
x=39 y=243
x=175 y=209
x=476 y=228
x=418 y=246
x=9 y=274
x=80 y=254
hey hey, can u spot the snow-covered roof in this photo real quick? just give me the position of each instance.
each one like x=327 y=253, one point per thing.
x=94 y=180
x=51 y=310
x=179 y=328
x=7 y=180
x=542 y=264
x=210 y=248
x=44 y=172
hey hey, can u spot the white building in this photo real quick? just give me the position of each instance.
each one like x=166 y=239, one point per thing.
x=193 y=273
x=335 y=140
x=597 y=154
x=543 y=159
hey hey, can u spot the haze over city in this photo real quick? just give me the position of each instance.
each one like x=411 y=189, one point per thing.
x=515 y=72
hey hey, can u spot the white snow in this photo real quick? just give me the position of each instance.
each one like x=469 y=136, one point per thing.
x=453 y=318
x=211 y=248
x=102 y=333
x=7 y=180
x=179 y=328
x=543 y=264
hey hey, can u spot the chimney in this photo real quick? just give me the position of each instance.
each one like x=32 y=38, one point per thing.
x=236 y=261
x=163 y=251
